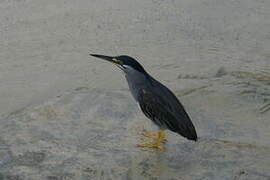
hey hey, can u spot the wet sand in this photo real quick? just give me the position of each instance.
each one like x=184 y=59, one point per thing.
x=65 y=115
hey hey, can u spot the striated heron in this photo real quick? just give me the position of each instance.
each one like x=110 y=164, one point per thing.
x=156 y=101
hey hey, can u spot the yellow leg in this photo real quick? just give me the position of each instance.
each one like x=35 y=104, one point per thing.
x=157 y=140
x=159 y=137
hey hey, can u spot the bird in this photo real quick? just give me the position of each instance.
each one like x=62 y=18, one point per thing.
x=157 y=102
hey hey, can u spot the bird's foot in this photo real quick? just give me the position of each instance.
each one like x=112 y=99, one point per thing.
x=158 y=137
x=153 y=145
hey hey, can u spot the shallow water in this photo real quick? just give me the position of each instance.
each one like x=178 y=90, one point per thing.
x=92 y=134
x=65 y=115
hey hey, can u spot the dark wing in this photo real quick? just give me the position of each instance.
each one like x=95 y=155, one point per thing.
x=165 y=114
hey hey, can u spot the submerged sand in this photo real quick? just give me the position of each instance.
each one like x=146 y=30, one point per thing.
x=65 y=115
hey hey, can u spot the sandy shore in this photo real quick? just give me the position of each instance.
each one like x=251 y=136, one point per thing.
x=45 y=44
x=60 y=108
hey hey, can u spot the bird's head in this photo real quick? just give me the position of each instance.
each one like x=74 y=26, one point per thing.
x=125 y=63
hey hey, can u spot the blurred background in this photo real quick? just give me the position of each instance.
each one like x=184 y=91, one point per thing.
x=45 y=44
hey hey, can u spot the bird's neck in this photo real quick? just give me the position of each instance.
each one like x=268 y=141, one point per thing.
x=136 y=82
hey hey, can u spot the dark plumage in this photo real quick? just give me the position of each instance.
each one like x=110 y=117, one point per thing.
x=166 y=111
x=157 y=102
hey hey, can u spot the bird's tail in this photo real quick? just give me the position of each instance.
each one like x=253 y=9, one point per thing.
x=192 y=133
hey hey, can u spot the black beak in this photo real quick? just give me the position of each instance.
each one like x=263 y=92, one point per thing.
x=110 y=59
x=107 y=58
